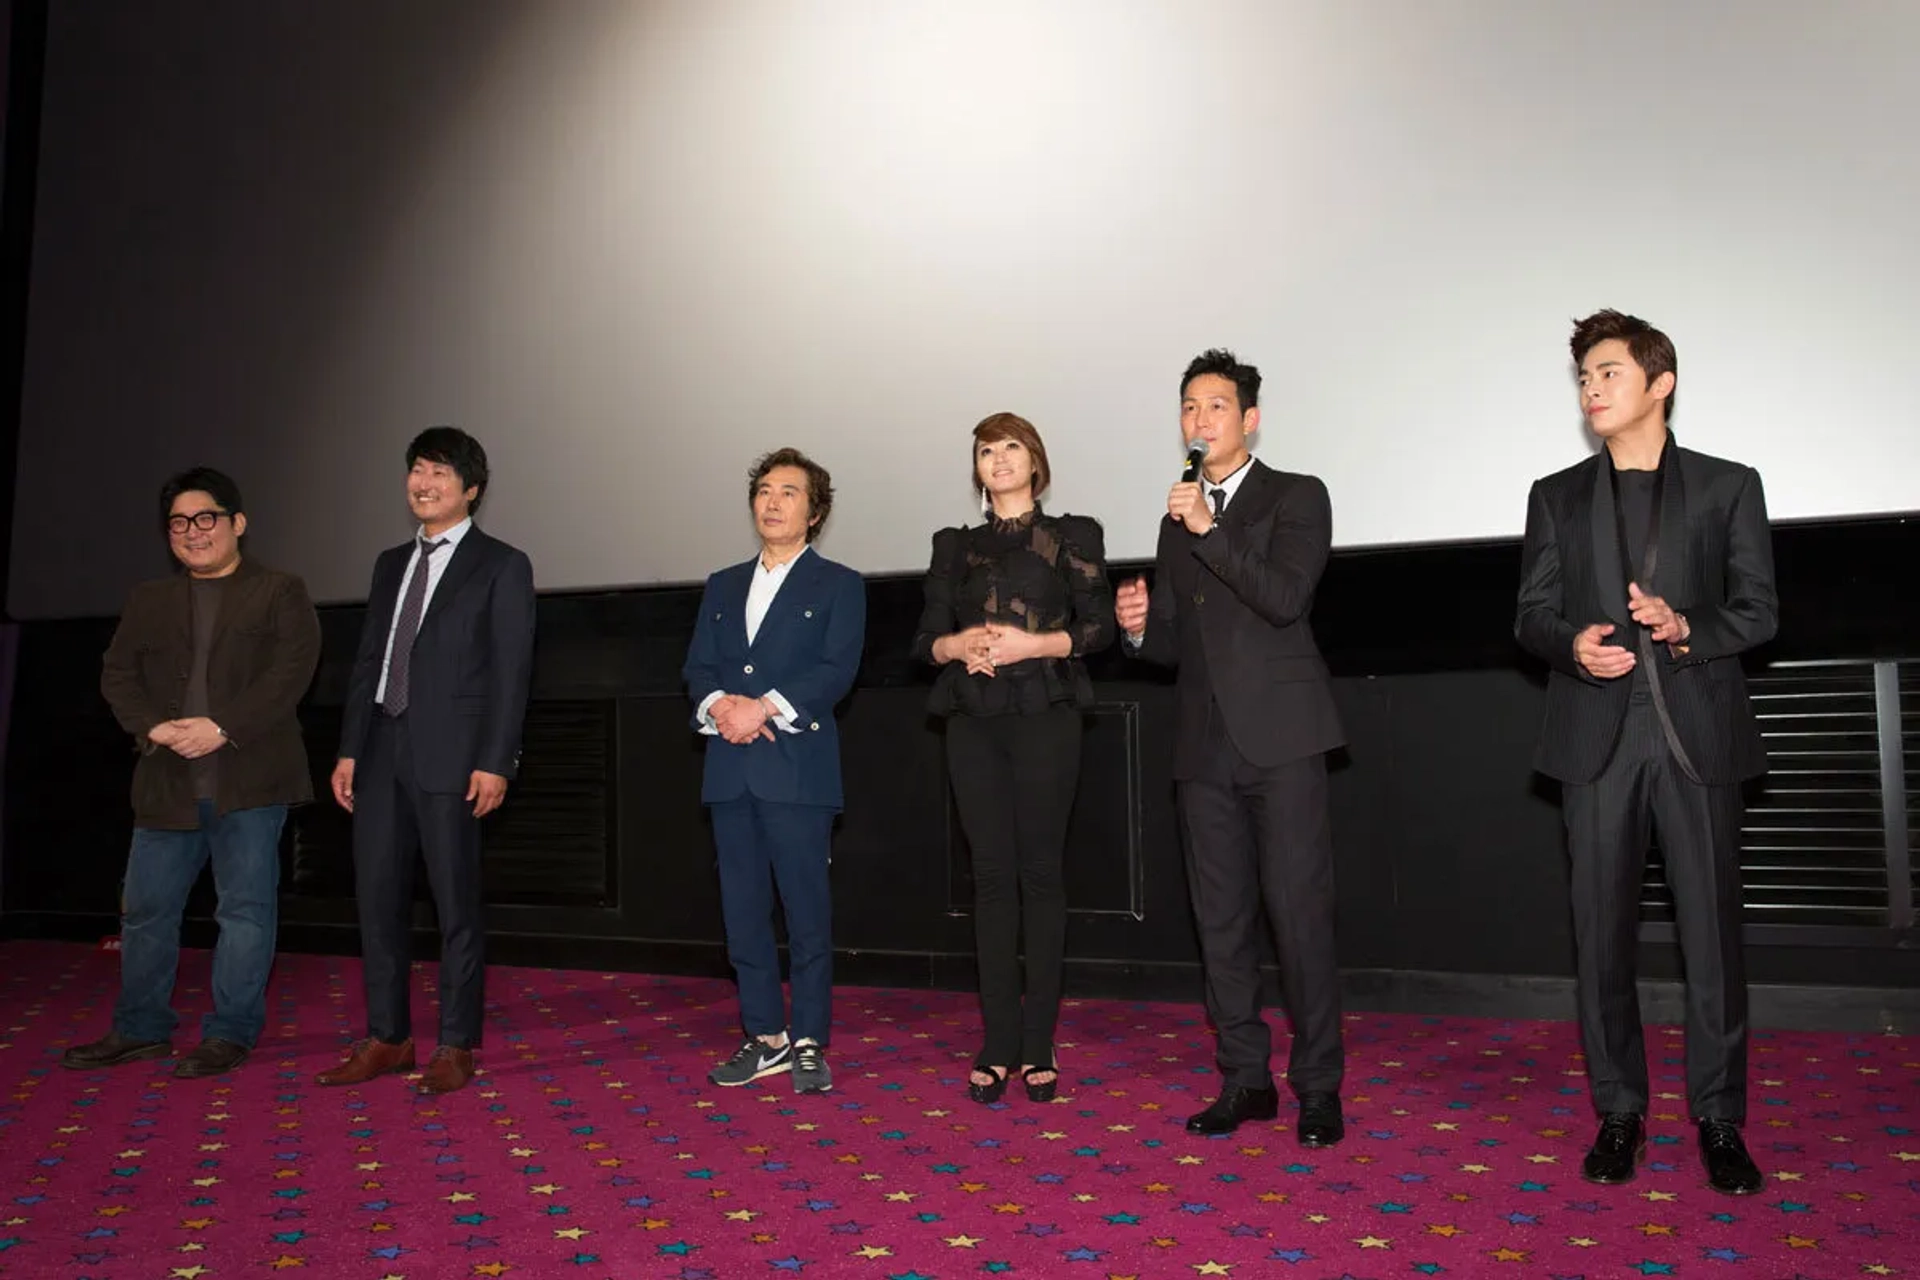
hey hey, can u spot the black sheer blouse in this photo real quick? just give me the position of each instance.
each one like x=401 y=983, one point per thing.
x=1036 y=572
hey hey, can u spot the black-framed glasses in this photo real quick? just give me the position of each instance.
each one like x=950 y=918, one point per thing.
x=201 y=520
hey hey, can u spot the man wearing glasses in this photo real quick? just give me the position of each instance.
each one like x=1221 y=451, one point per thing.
x=205 y=671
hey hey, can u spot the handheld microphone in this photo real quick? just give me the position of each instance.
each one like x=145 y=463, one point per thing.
x=1196 y=454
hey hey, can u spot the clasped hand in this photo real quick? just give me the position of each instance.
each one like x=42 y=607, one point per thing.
x=1610 y=662
x=190 y=738
x=741 y=719
x=992 y=645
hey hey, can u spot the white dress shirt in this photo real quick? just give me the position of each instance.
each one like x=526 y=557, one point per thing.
x=765 y=586
x=436 y=570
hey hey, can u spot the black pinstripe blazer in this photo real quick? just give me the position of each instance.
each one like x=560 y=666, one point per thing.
x=1715 y=566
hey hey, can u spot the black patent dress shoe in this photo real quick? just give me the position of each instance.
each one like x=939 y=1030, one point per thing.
x=1729 y=1168
x=112 y=1050
x=1235 y=1105
x=1320 y=1124
x=211 y=1058
x=1617 y=1149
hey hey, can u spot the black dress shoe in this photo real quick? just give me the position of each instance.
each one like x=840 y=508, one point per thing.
x=1321 y=1124
x=1235 y=1104
x=111 y=1050
x=1616 y=1149
x=1729 y=1167
x=211 y=1058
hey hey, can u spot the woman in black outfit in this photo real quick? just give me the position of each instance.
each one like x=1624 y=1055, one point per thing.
x=1011 y=606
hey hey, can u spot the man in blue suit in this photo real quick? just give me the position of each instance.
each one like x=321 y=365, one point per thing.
x=776 y=646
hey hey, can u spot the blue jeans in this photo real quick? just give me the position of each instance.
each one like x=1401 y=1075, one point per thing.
x=161 y=870
x=763 y=845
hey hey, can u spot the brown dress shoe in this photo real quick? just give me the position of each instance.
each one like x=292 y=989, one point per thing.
x=448 y=1069
x=367 y=1059
x=211 y=1058
x=111 y=1050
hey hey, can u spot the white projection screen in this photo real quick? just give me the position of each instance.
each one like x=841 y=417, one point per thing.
x=632 y=245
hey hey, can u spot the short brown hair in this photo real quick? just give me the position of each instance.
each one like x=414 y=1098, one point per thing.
x=1011 y=426
x=819 y=484
x=1651 y=349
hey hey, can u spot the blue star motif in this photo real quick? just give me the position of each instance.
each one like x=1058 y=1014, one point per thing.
x=1293 y=1257
x=1122 y=1219
x=1650 y=1268
x=1082 y=1254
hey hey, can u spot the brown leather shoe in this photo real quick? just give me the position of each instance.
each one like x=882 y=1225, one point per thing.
x=367 y=1059
x=448 y=1069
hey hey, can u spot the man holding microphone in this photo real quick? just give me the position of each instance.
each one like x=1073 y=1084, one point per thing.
x=1239 y=558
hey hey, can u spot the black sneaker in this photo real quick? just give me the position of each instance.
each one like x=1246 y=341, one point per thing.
x=754 y=1060
x=810 y=1073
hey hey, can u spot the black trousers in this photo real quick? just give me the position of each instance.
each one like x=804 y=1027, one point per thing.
x=395 y=823
x=1014 y=778
x=1642 y=792
x=1255 y=835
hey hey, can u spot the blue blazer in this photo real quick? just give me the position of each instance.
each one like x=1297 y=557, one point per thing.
x=808 y=650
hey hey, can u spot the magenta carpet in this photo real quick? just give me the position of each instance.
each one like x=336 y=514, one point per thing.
x=592 y=1146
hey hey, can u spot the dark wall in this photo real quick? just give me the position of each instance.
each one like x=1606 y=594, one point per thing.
x=1449 y=854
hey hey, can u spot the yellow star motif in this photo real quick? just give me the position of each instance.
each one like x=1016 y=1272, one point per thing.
x=545 y=1188
x=1543 y=1159
x=1508 y=1255
x=742 y=1215
x=969 y=1187
x=370 y=1166
x=1446 y=1126
x=1052 y=1137
x=1213 y=1268
x=492 y=1269
x=1582 y=1242
x=1446 y=1229
x=1878 y=1269
x=873 y=1251
x=902 y=1197
x=1476 y=1168
x=197 y=1224
x=187 y=1273
x=1782 y=1175
x=1272 y=1197
x=964 y=1242
x=1654 y=1229
x=569 y=1233
x=206 y=1182
x=1188 y=1160
x=805 y=1128
x=1157 y=1188
x=1008 y=1207
x=522 y=1152
x=1800 y=1242
x=128 y=1155
x=1656 y=1197
x=460 y=1197
x=1318 y=1218
x=1905 y=1156
x=1373 y=1242
x=284 y=1261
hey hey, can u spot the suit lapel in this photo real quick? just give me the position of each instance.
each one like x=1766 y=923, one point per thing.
x=1670 y=573
x=466 y=558
x=1250 y=499
x=1604 y=542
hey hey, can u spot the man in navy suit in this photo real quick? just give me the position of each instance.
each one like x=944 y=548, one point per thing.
x=776 y=646
x=430 y=737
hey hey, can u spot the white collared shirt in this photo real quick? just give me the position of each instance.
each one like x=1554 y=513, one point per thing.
x=1231 y=485
x=436 y=570
x=761 y=591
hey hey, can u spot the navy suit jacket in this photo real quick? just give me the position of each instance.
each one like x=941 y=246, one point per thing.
x=808 y=650
x=472 y=663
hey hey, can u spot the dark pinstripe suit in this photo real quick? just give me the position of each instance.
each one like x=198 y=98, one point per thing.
x=1622 y=781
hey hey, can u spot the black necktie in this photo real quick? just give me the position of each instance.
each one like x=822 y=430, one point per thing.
x=405 y=628
x=1219 y=497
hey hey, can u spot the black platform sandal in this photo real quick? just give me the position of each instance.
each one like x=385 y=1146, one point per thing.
x=987 y=1094
x=1041 y=1090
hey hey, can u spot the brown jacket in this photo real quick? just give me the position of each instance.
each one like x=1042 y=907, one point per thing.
x=266 y=643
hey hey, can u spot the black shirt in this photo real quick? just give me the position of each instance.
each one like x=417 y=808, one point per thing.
x=1633 y=490
x=1036 y=572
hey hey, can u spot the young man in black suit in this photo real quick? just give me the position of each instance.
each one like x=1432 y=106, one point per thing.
x=430 y=738
x=1647 y=571
x=1240 y=555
